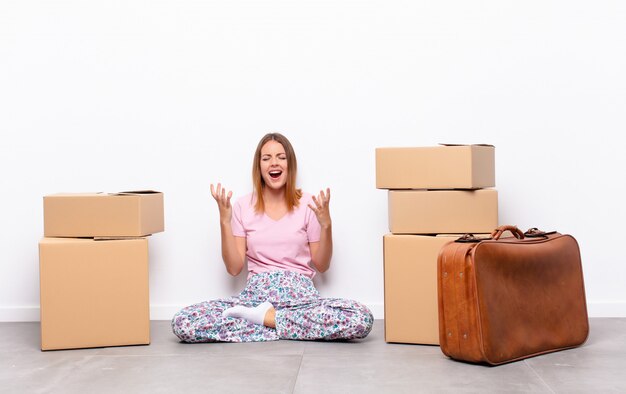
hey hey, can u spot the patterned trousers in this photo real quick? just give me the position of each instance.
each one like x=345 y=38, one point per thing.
x=300 y=314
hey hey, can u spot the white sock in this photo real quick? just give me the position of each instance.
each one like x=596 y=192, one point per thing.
x=255 y=315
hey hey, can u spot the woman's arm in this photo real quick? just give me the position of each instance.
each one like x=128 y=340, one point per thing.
x=233 y=248
x=322 y=251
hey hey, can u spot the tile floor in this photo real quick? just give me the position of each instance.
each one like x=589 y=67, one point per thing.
x=367 y=366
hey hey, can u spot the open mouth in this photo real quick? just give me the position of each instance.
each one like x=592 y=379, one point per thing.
x=275 y=174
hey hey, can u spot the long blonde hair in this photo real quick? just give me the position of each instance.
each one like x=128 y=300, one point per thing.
x=292 y=194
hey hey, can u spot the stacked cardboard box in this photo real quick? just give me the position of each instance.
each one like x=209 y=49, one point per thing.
x=93 y=268
x=435 y=194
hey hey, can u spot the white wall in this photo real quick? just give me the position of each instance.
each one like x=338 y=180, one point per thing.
x=173 y=95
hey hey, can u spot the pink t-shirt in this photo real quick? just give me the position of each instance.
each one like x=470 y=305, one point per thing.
x=277 y=244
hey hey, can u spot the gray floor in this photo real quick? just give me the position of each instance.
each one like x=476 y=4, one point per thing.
x=367 y=366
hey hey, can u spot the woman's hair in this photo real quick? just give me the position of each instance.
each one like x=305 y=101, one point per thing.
x=292 y=195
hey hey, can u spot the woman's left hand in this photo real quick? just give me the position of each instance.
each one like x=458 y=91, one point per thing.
x=321 y=209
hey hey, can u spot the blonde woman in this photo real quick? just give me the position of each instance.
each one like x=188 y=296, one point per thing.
x=285 y=236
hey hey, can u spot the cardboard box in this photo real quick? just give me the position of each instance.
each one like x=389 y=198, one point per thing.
x=438 y=167
x=127 y=214
x=443 y=211
x=411 y=304
x=93 y=293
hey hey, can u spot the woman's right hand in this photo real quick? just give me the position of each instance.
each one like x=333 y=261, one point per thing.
x=233 y=248
x=223 y=202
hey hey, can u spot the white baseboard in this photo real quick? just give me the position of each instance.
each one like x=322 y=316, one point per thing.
x=606 y=308
x=165 y=312
x=19 y=313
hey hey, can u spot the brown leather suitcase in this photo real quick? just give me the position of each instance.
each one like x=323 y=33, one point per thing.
x=506 y=299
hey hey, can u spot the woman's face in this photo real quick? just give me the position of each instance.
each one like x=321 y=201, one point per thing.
x=274 y=164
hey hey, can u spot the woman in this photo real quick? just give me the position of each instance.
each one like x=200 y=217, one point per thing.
x=285 y=235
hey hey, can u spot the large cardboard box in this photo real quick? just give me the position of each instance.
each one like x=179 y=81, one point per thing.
x=93 y=293
x=127 y=214
x=437 y=167
x=411 y=305
x=442 y=211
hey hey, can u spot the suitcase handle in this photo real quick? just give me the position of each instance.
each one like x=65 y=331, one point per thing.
x=517 y=233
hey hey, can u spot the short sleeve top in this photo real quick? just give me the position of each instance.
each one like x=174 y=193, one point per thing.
x=277 y=244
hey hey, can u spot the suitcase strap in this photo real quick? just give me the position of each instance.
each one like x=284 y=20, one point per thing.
x=497 y=233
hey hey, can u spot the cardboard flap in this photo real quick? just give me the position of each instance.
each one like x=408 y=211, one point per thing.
x=132 y=193
x=444 y=144
x=120 y=238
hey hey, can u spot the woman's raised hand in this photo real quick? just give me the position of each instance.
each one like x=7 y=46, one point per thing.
x=321 y=209
x=223 y=202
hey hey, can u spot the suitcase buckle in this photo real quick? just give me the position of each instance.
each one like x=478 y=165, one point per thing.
x=468 y=238
x=536 y=233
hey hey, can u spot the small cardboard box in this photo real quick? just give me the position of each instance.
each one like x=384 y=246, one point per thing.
x=437 y=167
x=93 y=293
x=443 y=211
x=126 y=214
x=411 y=304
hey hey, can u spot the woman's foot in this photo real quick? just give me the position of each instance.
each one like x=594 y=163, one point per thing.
x=261 y=314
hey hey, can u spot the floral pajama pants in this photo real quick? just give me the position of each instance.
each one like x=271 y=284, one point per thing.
x=300 y=313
